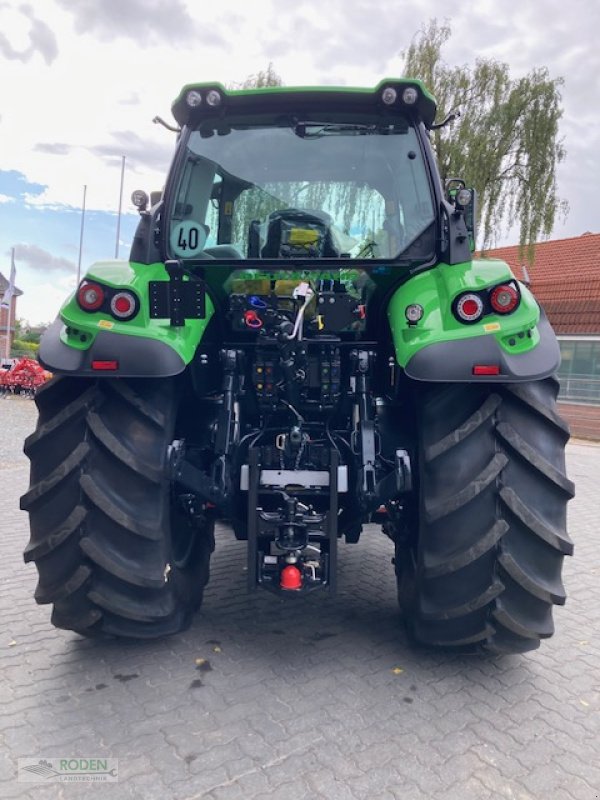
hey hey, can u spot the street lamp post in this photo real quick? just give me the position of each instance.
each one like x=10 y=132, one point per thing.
x=81 y=236
x=120 y=205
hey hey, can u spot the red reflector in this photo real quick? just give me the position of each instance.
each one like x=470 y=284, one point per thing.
x=470 y=308
x=105 y=365
x=291 y=578
x=123 y=304
x=486 y=369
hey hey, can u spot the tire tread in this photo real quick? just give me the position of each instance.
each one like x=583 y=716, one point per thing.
x=495 y=591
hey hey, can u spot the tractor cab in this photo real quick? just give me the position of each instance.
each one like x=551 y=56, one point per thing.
x=273 y=175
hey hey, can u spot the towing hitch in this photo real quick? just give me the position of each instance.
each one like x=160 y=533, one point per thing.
x=292 y=548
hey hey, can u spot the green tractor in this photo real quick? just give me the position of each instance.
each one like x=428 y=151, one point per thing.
x=302 y=343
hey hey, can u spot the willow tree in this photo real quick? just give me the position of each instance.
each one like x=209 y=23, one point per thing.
x=261 y=79
x=505 y=143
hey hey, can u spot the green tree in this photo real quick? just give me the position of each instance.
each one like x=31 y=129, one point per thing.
x=24 y=332
x=22 y=347
x=504 y=144
x=263 y=78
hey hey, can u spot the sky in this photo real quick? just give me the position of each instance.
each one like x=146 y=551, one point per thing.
x=81 y=80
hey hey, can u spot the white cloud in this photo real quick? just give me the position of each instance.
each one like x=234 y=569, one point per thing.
x=144 y=21
x=36 y=258
x=4 y=198
x=27 y=35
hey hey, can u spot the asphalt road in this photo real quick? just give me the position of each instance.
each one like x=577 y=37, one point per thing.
x=308 y=698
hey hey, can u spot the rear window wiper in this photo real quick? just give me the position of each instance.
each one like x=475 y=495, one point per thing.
x=314 y=130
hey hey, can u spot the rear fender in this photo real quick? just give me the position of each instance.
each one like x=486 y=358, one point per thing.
x=142 y=347
x=440 y=348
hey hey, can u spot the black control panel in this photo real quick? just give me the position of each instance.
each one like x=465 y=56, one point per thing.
x=318 y=374
x=329 y=311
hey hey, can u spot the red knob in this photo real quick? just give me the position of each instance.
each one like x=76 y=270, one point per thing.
x=252 y=319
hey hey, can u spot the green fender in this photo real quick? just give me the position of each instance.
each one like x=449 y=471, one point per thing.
x=142 y=346
x=440 y=348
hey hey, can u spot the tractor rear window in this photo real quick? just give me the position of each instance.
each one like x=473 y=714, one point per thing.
x=305 y=190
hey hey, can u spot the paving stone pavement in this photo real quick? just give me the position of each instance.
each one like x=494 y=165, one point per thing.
x=309 y=698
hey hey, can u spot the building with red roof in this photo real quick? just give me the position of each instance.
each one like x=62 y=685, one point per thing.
x=565 y=279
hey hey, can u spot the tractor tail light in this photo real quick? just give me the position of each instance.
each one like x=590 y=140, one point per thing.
x=469 y=307
x=90 y=296
x=504 y=298
x=123 y=305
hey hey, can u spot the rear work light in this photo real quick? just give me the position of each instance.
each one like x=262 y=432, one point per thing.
x=389 y=95
x=214 y=98
x=469 y=307
x=504 y=298
x=90 y=296
x=193 y=98
x=410 y=95
x=123 y=305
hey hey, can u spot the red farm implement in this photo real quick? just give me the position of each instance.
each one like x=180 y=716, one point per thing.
x=23 y=377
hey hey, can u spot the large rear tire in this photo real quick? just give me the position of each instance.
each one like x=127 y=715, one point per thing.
x=115 y=552
x=485 y=569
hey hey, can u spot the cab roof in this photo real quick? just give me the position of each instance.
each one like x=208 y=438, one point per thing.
x=203 y=101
